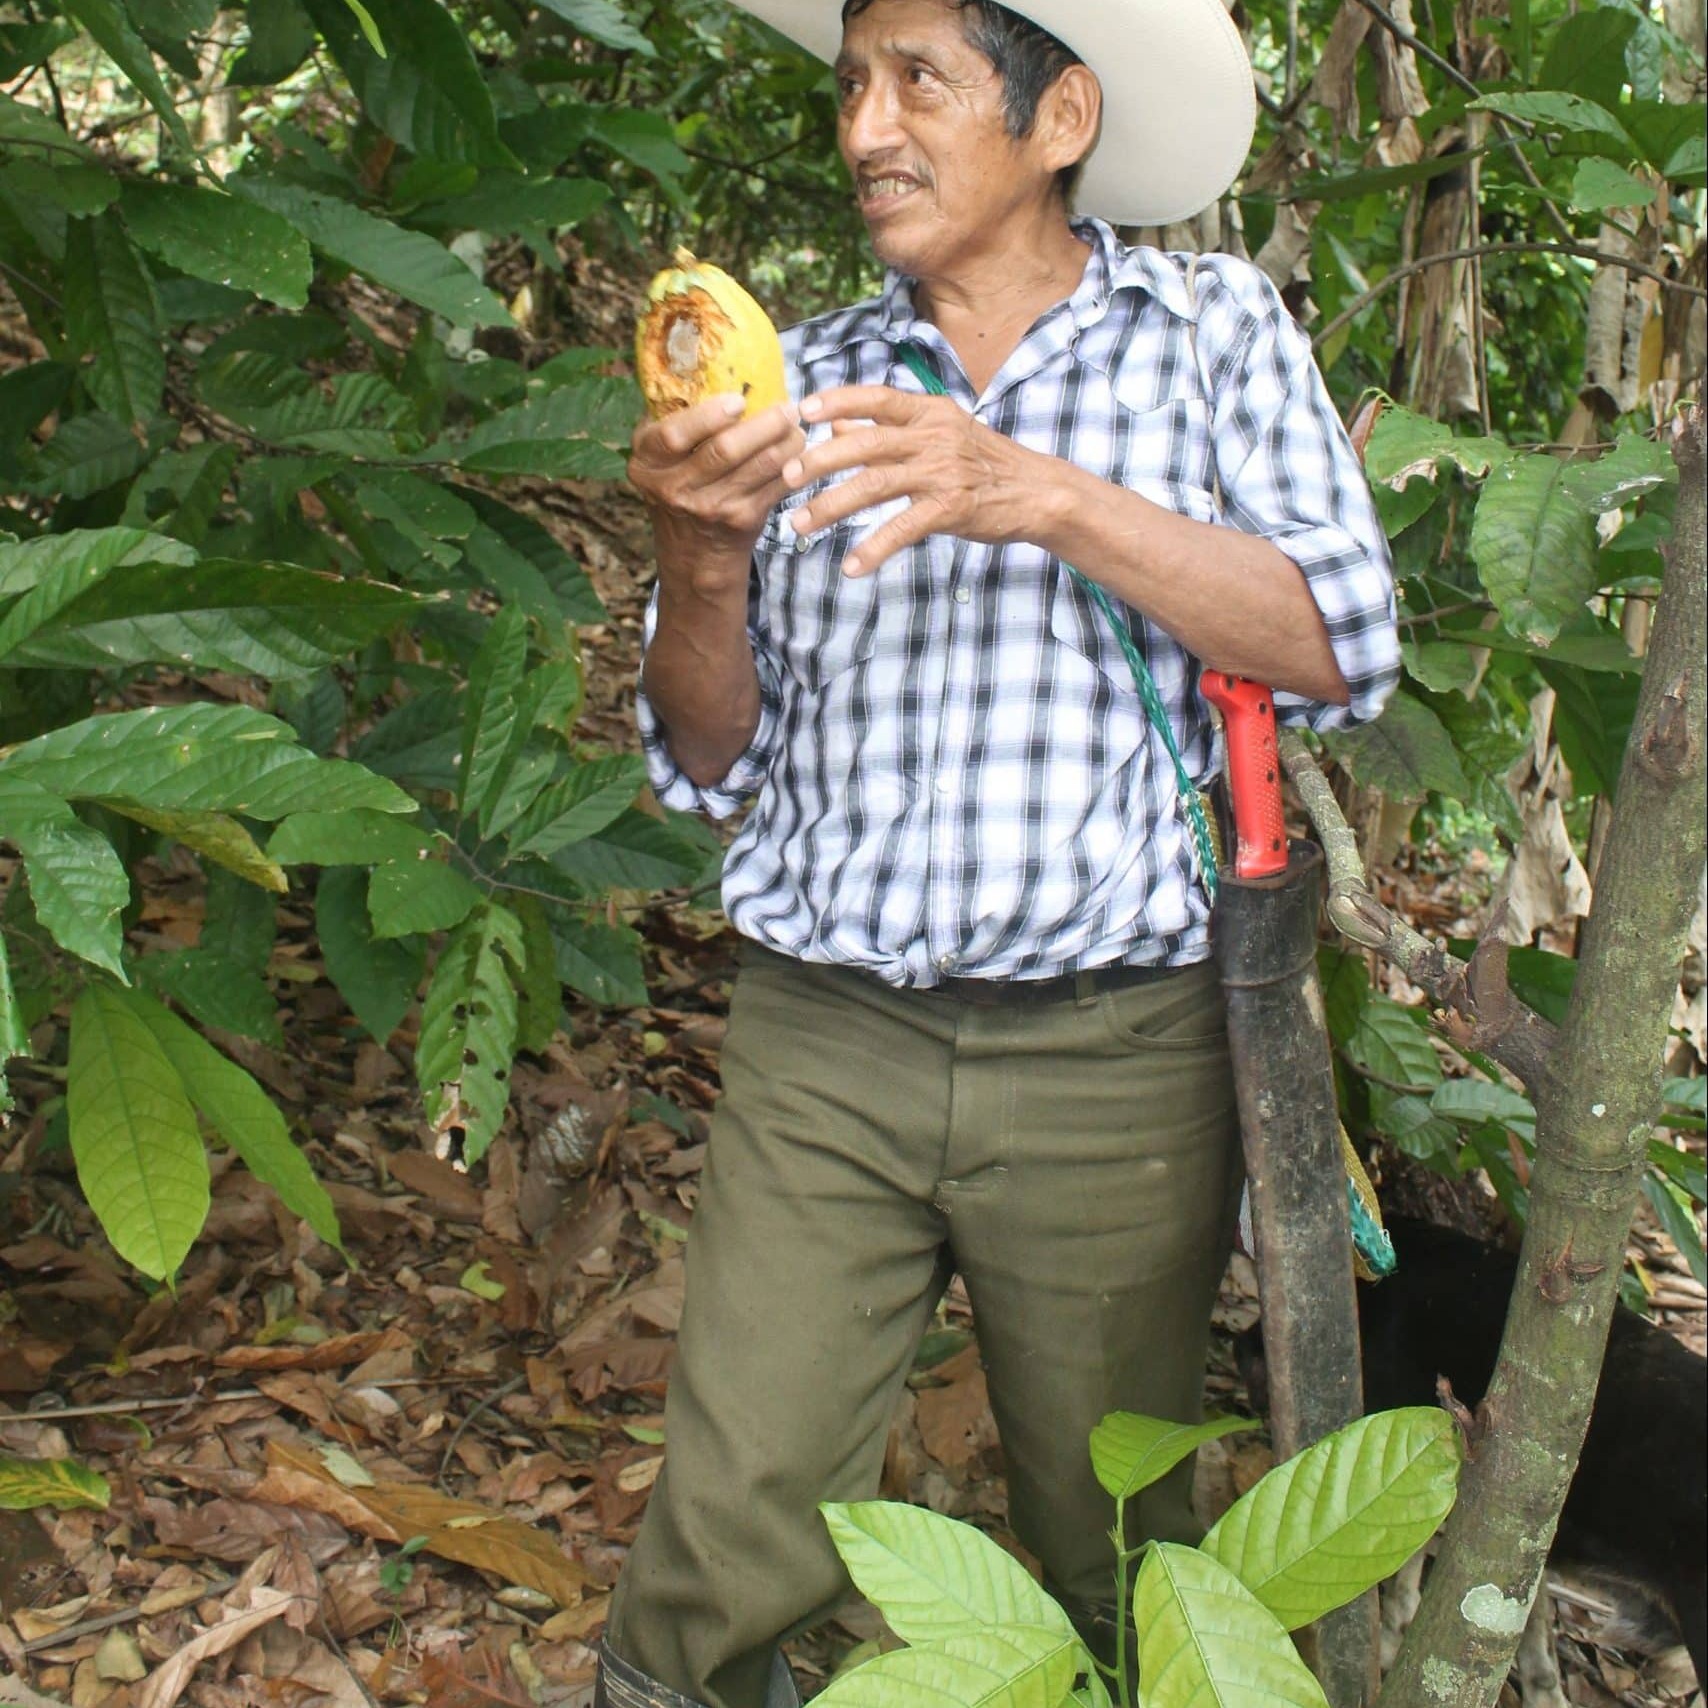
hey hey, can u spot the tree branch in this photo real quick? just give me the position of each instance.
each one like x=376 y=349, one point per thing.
x=1583 y=251
x=1595 y=1110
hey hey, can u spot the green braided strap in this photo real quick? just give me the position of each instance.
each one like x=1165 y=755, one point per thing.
x=1191 y=802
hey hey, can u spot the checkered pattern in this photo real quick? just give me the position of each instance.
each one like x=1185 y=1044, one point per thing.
x=952 y=772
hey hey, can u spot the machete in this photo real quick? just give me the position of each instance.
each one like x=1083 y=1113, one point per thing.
x=1265 y=937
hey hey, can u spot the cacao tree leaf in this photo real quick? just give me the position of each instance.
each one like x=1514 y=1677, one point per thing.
x=1329 y=1523
x=602 y=21
x=490 y=709
x=633 y=852
x=539 y=995
x=281 y=37
x=1533 y=543
x=216 y=990
x=116 y=34
x=244 y=1115
x=600 y=962
x=23 y=123
x=419 y=895
x=932 y=1577
x=261 y=619
x=1469 y=1101
x=1405 y=753
x=77 y=882
x=134 y=1136
x=1389 y=1045
x=407 y=262
x=1205 y=1641
x=198 y=758
x=63 y=1484
x=111 y=313
x=86 y=455
x=425 y=90
x=1587 y=55
x=1009 y=1666
x=505 y=202
x=359 y=837
x=178 y=493
x=468 y=1030
x=377 y=977
x=576 y=599
x=1405 y=446
x=14 y=1034
x=222 y=238
x=1599 y=184
x=1633 y=467
x=1130 y=1452
x=83 y=553
x=1558 y=109
x=76 y=190
x=578 y=805
x=216 y=837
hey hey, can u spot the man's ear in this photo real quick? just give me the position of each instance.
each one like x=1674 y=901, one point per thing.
x=1068 y=116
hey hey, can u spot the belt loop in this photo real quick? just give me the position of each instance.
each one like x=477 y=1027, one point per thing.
x=1085 y=986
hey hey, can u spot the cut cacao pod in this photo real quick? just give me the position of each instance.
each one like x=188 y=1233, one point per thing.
x=703 y=335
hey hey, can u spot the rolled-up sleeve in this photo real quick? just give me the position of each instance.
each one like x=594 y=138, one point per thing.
x=673 y=786
x=1289 y=474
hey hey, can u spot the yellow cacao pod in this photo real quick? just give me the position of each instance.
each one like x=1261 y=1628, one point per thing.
x=702 y=335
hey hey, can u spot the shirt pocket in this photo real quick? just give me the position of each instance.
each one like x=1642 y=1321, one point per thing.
x=1164 y=452
x=822 y=622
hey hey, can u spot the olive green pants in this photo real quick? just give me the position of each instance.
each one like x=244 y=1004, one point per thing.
x=1076 y=1161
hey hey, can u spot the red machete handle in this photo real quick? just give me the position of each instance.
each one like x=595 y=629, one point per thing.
x=1254 y=772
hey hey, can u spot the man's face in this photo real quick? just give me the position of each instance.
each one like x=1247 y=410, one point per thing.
x=937 y=176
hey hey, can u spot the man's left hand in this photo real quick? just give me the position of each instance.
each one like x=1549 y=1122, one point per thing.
x=960 y=476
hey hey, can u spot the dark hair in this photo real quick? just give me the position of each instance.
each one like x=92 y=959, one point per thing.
x=1028 y=59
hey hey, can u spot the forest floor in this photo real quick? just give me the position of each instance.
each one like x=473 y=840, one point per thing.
x=410 y=1474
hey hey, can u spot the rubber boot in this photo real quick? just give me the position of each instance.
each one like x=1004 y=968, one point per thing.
x=620 y=1685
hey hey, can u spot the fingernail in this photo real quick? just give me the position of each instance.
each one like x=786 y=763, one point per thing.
x=852 y=567
x=809 y=408
x=792 y=471
x=734 y=403
x=800 y=521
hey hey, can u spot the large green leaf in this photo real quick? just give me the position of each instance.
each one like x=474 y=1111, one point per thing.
x=566 y=433
x=217 y=837
x=419 y=895
x=360 y=837
x=220 y=237
x=578 y=805
x=1205 y=1641
x=281 y=37
x=14 y=1035
x=538 y=993
x=1534 y=546
x=598 y=961
x=377 y=977
x=114 y=31
x=215 y=989
x=1319 y=1530
x=1556 y=109
x=468 y=1031
x=62 y=1484
x=198 y=758
x=134 y=1137
x=1130 y=1452
x=86 y=455
x=574 y=595
x=77 y=882
x=83 y=553
x=263 y=619
x=111 y=314
x=1011 y=1666
x=490 y=710
x=635 y=851
x=603 y=21
x=1389 y=1045
x=243 y=1115
x=506 y=202
x=404 y=261
x=933 y=1578
x=180 y=491
x=426 y=92
x=1405 y=753
x=1404 y=446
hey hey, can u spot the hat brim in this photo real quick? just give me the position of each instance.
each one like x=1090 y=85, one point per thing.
x=1179 y=104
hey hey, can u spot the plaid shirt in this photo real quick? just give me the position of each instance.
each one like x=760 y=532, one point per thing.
x=952 y=772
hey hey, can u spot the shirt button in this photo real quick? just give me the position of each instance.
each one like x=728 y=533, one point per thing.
x=942 y=785
x=945 y=963
x=962 y=595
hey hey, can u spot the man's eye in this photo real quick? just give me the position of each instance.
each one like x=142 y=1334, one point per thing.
x=920 y=74
x=847 y=88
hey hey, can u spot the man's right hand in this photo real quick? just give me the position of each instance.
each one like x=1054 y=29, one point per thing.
x=710 y=478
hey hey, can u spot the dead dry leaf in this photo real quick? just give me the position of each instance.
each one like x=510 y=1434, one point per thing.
x=169 y=1681
x=330 y=1354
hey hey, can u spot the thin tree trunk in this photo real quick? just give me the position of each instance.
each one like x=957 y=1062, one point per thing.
x=1594 y=1112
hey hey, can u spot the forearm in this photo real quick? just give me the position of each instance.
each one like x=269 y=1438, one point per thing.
x=1235 y=601
x=701 y=678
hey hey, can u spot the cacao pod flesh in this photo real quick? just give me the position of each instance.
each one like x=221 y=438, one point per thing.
x=702 y=335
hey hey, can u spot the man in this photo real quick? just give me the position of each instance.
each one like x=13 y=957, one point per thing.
x=976 y=1027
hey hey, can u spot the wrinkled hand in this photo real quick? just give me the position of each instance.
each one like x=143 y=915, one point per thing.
x=709 y=480
x=961 y=477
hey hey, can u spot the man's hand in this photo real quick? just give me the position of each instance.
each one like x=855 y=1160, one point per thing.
x=962 y=477
x=709 y=480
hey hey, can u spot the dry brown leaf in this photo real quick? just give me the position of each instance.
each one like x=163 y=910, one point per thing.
x=169 y=1682
x=328 y=1354
x=457 y=1530
x=954 y=1420
x=238 y=1530
x=453 y=1195
x=299 y=1392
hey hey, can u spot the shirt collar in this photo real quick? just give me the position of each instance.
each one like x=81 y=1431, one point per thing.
x=1113 y=266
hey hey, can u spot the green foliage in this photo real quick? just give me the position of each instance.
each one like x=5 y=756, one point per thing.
x=1212 y=1622
x=233 y=455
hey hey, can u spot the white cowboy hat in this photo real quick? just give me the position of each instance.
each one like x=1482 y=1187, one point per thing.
x=1179 y=106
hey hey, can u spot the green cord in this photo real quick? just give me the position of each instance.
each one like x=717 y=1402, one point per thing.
x=1191 y=802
